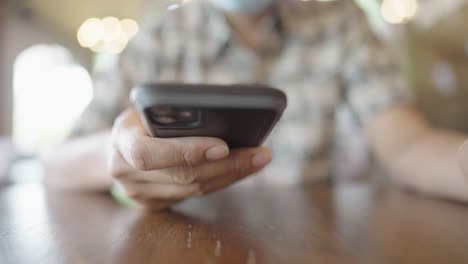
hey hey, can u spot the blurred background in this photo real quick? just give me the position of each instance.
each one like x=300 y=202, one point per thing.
x=49 y=50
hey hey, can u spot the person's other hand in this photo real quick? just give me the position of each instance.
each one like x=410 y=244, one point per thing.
x=159 y=172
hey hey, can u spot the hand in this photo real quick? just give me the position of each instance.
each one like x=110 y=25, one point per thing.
x=159 y=172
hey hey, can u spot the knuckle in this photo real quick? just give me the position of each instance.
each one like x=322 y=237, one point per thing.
x=140 y=154
x=185 y=175
x=187 y=155
x=241 y=163
x=184 y=154
x=188 y=158
x=237 y=163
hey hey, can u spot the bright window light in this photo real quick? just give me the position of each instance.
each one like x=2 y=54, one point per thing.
x=50 y=92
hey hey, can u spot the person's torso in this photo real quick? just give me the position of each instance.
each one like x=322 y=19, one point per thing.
x=301 y=53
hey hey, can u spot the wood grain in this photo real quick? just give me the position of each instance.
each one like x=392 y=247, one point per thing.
x=245 y=224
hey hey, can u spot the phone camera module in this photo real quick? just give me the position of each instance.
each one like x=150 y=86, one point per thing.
x=171 y=117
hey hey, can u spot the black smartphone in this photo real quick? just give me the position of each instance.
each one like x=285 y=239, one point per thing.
x=241 y=115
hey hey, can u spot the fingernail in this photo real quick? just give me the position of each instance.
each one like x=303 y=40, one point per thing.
x=217 y=153
x=262 y=159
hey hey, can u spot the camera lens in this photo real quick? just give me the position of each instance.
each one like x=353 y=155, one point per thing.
x=165 y=120
x=187 y=115
x=174 y=117
x=162 y=111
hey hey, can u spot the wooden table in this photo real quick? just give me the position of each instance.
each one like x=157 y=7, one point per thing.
x=245 y=224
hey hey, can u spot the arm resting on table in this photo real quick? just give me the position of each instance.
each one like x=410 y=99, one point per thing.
x=417 y=155
x=79 y=164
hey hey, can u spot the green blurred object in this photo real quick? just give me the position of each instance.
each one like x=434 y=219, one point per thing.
x=371 y=7
x=121 y=197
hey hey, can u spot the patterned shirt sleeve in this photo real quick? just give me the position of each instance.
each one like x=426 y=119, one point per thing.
x=373 y=82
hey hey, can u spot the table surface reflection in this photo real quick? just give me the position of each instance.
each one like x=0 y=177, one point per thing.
x=248 y=223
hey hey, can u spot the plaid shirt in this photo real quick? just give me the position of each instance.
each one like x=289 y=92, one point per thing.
x=322 y=54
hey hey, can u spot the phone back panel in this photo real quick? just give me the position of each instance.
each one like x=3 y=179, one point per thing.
x=243 y=116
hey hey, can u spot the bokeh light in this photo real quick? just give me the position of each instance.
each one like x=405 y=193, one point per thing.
x=90 y=32
x=107 y=35
x=111 y=29
x=129 y=27
x=399 y=11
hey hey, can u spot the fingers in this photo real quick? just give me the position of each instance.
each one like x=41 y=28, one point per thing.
x=220 y=183
x=142 y=191
x=239 y=162
x=259 y=160
x=160 y=172
x=146 y=153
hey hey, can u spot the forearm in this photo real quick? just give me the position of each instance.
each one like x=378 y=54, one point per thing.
x=79 y=164
x=429 y=164
x=417 y=155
